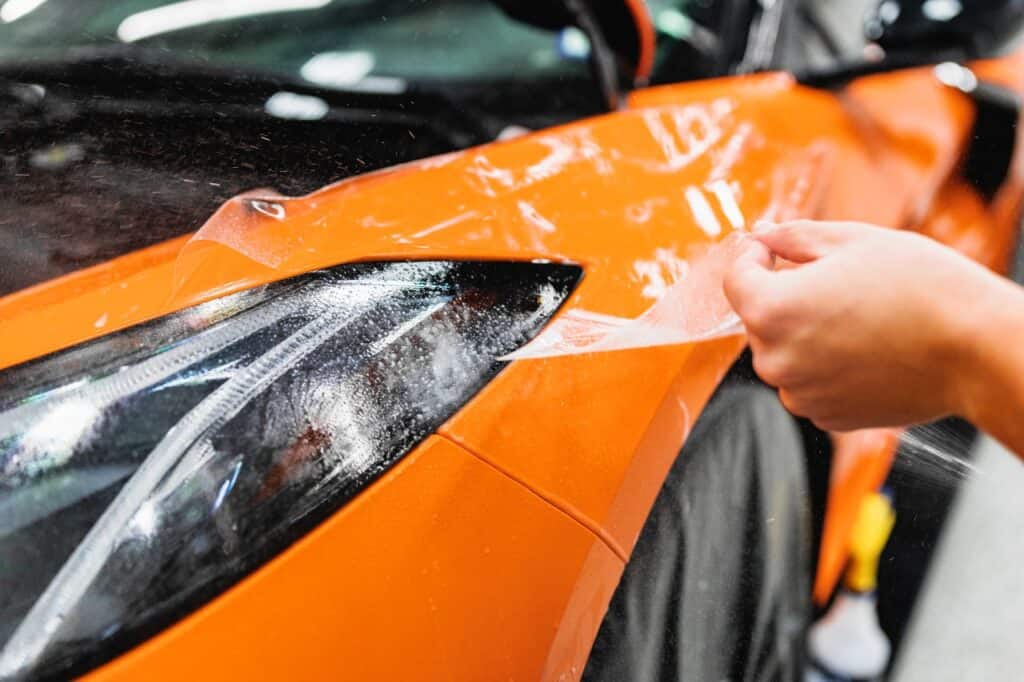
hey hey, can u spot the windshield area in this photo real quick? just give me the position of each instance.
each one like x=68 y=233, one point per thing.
x=373 y=45
x=124 y=123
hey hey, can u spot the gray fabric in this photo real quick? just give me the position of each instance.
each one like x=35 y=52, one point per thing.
x=717 y=587
x=967 y=625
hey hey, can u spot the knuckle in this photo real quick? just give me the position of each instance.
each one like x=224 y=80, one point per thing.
x=773 y=309
x=731 y=283
x=795 y=231
x=770 y=369
x=786 y=398
x=737 y=284
x=831 y=424
x=756 y=315
x=795 y=225
x=801 y=230
x=792 y=404
x=751 y=318
x=765 y=314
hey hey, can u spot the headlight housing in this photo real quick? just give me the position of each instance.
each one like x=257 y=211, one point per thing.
x=143 y=473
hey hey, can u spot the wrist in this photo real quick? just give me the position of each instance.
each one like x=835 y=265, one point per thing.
x=986 y=362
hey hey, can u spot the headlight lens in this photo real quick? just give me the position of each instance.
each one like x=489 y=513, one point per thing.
x=143 y=473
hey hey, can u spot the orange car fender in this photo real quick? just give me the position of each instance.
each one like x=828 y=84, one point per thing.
x=823 y=164
x=637 y=187
x=445 y=569
x=632 y=196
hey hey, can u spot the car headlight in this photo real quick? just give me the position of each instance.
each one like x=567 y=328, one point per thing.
x=145 y=472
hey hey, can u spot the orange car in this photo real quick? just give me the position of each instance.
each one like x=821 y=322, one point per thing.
x=273 y=436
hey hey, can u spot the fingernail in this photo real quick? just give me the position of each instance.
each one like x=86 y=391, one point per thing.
x=764 y=226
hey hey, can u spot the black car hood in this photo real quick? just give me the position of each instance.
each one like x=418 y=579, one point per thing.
x=95 y=163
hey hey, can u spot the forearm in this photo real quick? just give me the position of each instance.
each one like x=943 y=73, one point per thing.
x=992 y=388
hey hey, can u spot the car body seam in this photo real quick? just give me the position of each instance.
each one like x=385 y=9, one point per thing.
x=553 y=500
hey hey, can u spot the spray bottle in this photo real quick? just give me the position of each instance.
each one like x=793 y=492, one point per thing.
x=847 y=644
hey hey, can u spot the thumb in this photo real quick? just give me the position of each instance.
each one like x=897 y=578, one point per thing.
x=803 y=241
x=749 y=274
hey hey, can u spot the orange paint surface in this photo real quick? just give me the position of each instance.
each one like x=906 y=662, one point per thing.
x=404 y=583
x=561 y=458
x=860 y=463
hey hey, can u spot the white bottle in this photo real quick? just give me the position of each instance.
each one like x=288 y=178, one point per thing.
x=847 y=644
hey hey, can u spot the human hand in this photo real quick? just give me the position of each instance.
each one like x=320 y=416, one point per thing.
x=871 y=327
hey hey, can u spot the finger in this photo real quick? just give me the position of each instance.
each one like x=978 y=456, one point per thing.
x=782 y=366
x=800 y=401
x=837 y=424
x=804 y=241
x=793 y=403
x=748 y=277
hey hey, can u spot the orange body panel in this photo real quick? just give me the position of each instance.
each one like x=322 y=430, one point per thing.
x=860 y=462
x=509 y=529
x=404 y=584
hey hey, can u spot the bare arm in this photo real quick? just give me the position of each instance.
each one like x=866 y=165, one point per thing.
x=993 y=395
x=874 y=327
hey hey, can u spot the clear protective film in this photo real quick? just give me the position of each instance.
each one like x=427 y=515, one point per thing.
x=144 y=473
x=693 y=309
